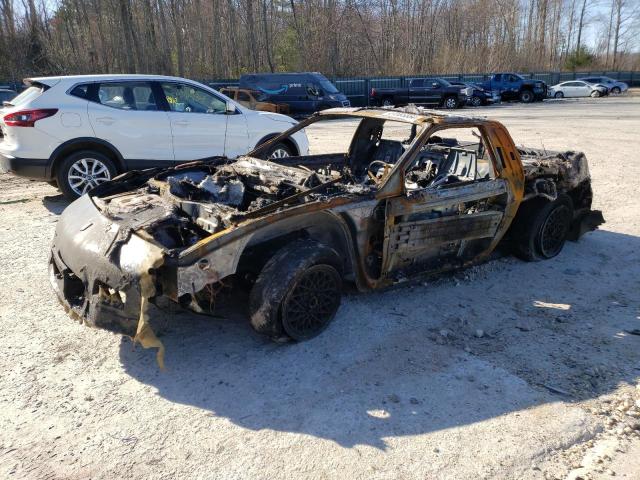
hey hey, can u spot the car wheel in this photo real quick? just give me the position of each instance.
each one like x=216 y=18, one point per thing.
x=616 y=90
x=280 y=150
x=526 y=96
x=387 y=102
x=559 y=95
x=476 y=101
x=542 y=228
x=451 y=103
x=82 y=171
x=298 y=292
x=595 y=94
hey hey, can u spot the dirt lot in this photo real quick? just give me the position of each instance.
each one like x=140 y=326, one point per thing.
x=508 y=370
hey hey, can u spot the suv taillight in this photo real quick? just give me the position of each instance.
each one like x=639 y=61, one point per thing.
x=28 y=118
x=373 y=92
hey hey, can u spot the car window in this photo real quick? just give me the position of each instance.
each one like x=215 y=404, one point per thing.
x=186 y=98
x=243 y=96
x=498 y=77
x=453 y=155
x=80 y=91
x=513 y=78
x=327 y=86
x=417 y=83
x=127 y=95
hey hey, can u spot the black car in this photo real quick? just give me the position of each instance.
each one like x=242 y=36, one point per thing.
x=305 y=92
x=422 y=91
x=6 y=94
x=479 y=95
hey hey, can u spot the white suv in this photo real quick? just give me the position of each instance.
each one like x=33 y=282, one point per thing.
x=79 y=131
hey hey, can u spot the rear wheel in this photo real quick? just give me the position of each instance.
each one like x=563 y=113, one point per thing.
x=526 y=96
x=387 y=102
x=451 y=102
x=476 y=101
x=542 y=227
x=615 y=90
x=298 y=292
x=82 y=171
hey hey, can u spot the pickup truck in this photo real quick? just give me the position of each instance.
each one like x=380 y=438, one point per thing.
x=423 y=91
x=512 y=86
x=417 y=192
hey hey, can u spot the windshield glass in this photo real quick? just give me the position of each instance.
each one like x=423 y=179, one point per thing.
x=29 y=94
x=443 y=82
x=327 y=86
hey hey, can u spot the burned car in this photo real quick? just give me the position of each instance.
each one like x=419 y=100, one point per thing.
x=416 y=192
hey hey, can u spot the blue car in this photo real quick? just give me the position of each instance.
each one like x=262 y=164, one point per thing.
x=303 y=92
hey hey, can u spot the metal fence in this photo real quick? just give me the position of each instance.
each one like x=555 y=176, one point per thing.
x=357 y=89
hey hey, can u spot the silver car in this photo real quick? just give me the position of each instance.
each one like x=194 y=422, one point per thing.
x=612 y=84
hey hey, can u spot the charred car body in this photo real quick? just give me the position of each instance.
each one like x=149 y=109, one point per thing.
x=293 y=231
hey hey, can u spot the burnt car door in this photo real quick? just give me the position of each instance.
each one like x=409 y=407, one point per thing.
x=455 y=206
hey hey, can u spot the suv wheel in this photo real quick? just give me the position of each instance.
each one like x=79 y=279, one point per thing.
x=298 y=292
x=616 y=90
x=526 y=96
x=82 y=171
x=451 y=102
x=388 y=102
x=279 y=150
x=476 y=101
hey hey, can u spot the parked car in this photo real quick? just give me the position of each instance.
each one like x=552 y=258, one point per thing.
x=479 y=96
x=292 y=230
x=6 y=94
x=422 y=91
x=305 y=92
x=577 y=88
x=612 y=84
x=254 y=99
x=80 y=131
x=512 y=86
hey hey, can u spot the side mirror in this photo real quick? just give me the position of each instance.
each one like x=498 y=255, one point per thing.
x=230 y=108
x=435 y=85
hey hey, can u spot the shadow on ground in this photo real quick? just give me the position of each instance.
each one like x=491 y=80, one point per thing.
x=552 y=331
x=55 y=203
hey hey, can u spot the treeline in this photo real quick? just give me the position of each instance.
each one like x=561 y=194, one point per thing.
x=224 y=38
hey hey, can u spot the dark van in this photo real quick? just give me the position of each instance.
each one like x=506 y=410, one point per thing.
x=303 y=92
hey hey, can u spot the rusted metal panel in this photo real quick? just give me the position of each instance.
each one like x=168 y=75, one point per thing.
x=428 y=199
x=416 y=235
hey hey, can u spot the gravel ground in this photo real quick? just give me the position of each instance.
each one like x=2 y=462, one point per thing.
x=506 y=370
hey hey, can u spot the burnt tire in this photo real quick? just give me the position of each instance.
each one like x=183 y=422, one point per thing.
x=542 y=228
x=527 y=96
x=81 y=171
x=298 y=291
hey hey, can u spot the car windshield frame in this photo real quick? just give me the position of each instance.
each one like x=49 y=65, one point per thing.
x=327 y=86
